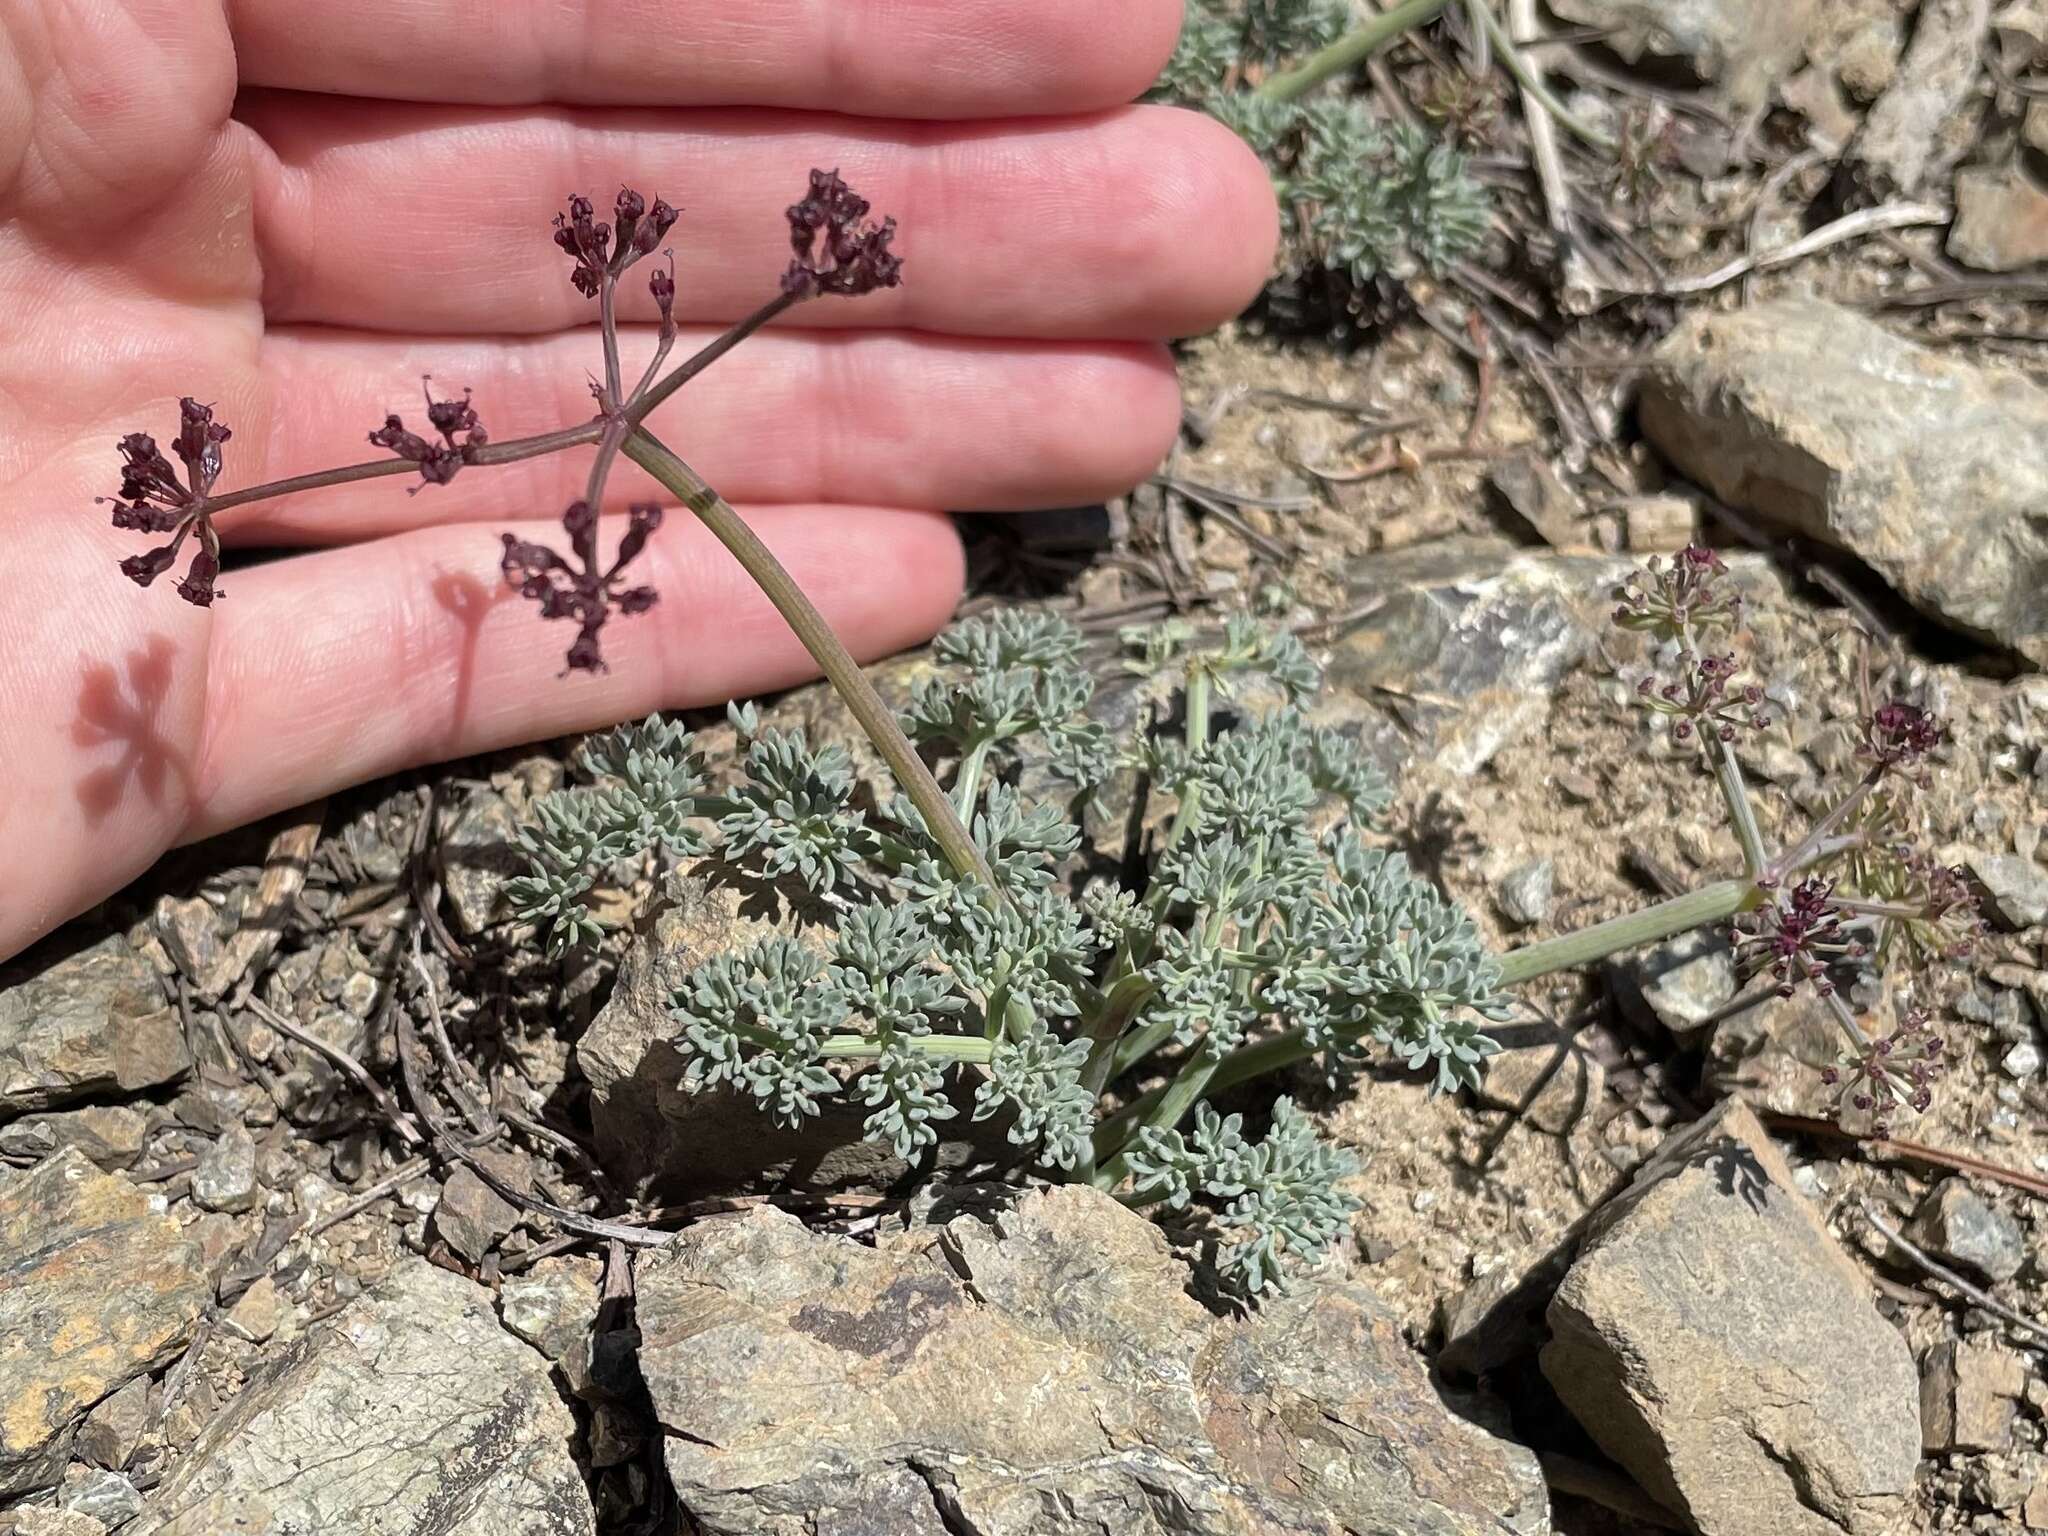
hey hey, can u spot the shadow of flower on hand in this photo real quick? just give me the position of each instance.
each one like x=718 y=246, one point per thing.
x=122 y=713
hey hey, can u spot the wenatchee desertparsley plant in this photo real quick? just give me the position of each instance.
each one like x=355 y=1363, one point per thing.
x=963 y=957
x=1097 y=1017
x=1360 y=197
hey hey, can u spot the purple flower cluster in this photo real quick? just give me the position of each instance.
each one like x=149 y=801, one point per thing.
x=837 y=250
x=581 y=591
x=153 y=500
x=1673 y=599
x=1796 y=936
x=1698 y=703
x=1892 y=1072
x=589 y=241
x=438 y=462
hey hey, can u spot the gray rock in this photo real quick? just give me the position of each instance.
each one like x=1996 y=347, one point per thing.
x=111 y=1135
x=1920 y=126
x=1550 y=1084
x=107 y=1497
x=1714 y=1339
x=1474 y=638
x=1929 y=470
x=97 y=1289
x=410 y=1412
x=1526 y=892
x=2018 y=887
x=45 y=1520
x=1047 y=1374
x=113 y=1431
x=1685 y=981
x=2022 y=1061
x=1970 y=1391
x=225 y=1179
x=479 y=854
x=1744 y=47
x=94 y=1022
x=1540 y=498
x=1956 y=1223
x=552 y=1306
x=2001 y=219
x=471 y=1217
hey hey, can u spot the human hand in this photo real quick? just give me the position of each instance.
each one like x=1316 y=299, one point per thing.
x=293 y=212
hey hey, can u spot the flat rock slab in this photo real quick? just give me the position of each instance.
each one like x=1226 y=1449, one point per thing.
x=1044 y=1374
x=1932 y=472
x=1718 y=1343
x=94 y=1289
x=413 y=1413
x=96 y=1022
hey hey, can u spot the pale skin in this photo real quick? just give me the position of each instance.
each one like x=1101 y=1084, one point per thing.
x=293 y=211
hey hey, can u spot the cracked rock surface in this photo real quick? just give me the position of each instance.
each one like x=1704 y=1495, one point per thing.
x=1044 y=1374
x=413 y=1413
x=69 y=1337
x=1715 y=1341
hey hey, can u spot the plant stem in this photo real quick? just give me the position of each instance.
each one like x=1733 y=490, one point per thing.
x=1799 y=856
x=967 y=1048
x=1709 y=904
x=1200 y=687
x=1350 y=50
x=698 y=361
x=1728 y=774
x=967 y=787
x=507 y=452
x=1532 y=82
x=833 y=659
x=607 y=314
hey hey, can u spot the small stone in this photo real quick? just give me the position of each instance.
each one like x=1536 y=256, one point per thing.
x=260 y=1312
x=2018 y=887
x=98 y=1289
x=110 y=1135
x=1660 y=524
x=1542 y=500
x=107 y=1497
x=2001 y=219
x=91 y=1023
x=479 y=854
x=2022 y=1061
x=1526 y=892
x=412 y=1411
x=1714 y=1339
x=225 y=1179
x=553 y=1306
x=43 y=1520
x=1551 y=1085
x=1820 y=420
x=2035 y=1510
x=1970 y=1391
x=1686 y=981
x=470 y=1217
x=113 y=1431
x=1958 y=1225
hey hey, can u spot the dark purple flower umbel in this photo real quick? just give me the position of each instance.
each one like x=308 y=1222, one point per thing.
x=638 y=229
x=154 y=500
x=586 y=595
x=438 y=462
x=837 y=250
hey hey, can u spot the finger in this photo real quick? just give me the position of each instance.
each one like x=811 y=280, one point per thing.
x=897 y=58
x=332 y=668
x=1143 y=223
x=871 y=419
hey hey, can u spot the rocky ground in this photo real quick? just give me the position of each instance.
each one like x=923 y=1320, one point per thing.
x=1646 y=1279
